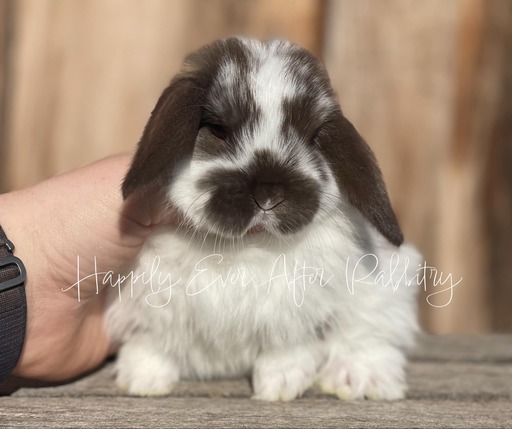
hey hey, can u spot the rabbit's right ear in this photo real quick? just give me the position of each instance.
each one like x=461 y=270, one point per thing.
x=168 y=137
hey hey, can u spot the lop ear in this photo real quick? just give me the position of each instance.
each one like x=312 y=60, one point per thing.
x=168 y=137
x=359 y=177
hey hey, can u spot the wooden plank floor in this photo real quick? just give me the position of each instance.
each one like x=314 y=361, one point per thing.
x=455 y=382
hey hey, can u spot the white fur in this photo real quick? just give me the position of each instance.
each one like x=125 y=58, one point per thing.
x=235 y=309
x=207 y=329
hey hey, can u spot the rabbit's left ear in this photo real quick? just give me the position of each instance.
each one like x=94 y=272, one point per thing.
x=168 y=137
x=358 y=176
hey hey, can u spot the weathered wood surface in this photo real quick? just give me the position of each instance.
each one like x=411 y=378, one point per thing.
x=456 y=382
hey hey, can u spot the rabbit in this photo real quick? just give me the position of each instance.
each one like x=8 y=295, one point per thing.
x=288 y=265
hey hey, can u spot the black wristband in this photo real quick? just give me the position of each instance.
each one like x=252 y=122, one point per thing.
x=13 y=307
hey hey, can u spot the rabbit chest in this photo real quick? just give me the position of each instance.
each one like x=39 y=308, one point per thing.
x=224 y=303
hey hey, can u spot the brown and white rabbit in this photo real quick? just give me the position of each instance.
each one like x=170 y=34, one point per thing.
x=289 y=265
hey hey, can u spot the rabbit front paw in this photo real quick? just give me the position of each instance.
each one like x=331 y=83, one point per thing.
x=144 y=372
x=285 y=375
x=378 y=375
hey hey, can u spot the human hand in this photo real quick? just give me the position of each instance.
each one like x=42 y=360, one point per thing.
x=77 y=214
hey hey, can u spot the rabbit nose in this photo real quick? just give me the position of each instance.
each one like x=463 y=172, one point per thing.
x=267 y=195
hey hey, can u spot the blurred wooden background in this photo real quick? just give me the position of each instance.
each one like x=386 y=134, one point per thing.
x=428 y=83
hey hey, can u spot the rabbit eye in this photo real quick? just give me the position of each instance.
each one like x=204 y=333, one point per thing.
x=217 y=130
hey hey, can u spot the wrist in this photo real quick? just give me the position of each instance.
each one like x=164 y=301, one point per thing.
x=64 y=337
x=13 y=306
x=15 y=213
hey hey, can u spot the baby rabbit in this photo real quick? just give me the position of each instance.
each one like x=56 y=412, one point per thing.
x=289 y=265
